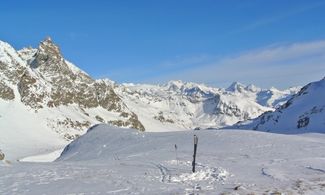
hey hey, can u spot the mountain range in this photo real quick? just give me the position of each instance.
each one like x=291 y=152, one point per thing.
x=44 y=84
x=42 y=94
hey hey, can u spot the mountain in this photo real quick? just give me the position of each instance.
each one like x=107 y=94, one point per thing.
x=303 y=112
x=186 y=105
x=266 y=97
x=45 y=100
x=42 y=93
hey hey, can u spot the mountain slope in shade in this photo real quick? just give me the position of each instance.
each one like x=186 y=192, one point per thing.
x=304 y=112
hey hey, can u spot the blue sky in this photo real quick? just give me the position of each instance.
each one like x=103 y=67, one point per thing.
x=277 y=43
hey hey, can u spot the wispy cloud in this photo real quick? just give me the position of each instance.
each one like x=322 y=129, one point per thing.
x=277 y=65
x=278 y=17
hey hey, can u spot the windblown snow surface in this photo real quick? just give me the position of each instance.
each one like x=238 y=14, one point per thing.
x=109 y=160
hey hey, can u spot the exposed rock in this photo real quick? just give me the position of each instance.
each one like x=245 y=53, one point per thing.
x=6 y=92
x=303 y=122
x=30 y=91
x=162 y=119
x=100 y=119
x=132 y=122
x=2 y=155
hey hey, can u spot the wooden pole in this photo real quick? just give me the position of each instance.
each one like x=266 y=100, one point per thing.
x=196 y=139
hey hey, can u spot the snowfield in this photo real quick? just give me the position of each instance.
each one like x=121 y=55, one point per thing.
x=110 y=160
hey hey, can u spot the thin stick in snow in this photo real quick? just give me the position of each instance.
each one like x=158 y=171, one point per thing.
x=176 y=154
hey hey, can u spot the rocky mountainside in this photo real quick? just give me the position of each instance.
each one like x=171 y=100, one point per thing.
x=49 y=92
x=46 y=85
x=304 y=112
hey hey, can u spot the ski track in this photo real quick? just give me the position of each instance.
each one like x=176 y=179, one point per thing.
x=165 y=173
x=315 y=169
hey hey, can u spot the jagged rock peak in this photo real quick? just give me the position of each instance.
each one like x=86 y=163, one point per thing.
x=48 y=46
x=48 y=53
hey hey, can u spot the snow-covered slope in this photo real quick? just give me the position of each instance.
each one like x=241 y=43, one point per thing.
x=180 y=105
x=304 y=112
x=266 y=97
x=109 y=160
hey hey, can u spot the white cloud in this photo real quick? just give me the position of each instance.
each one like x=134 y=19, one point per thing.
x=281 y=65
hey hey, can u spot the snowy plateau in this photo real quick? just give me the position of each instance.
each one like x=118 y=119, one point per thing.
x=63 y=132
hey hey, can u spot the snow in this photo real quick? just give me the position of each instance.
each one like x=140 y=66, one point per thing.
x=24 y=133
x=74 y=68
x=9 y=55
x=110 y=160
x=308 y=105
x=191 y=105
x=46 y=157
x=174 y=106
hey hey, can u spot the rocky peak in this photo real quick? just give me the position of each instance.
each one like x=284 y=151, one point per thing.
x=48 y=44
x=48 y=53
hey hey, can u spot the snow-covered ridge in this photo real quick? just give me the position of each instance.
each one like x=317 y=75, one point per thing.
x=304 y=112
x=186 y=105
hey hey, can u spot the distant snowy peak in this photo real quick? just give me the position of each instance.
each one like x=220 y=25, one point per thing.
x=187 y=105
x=190 y=89
x=239 y=87
x=236 y=87
x=303 y=112
x=252 y=88
x=174 y=85
x=266 y=97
